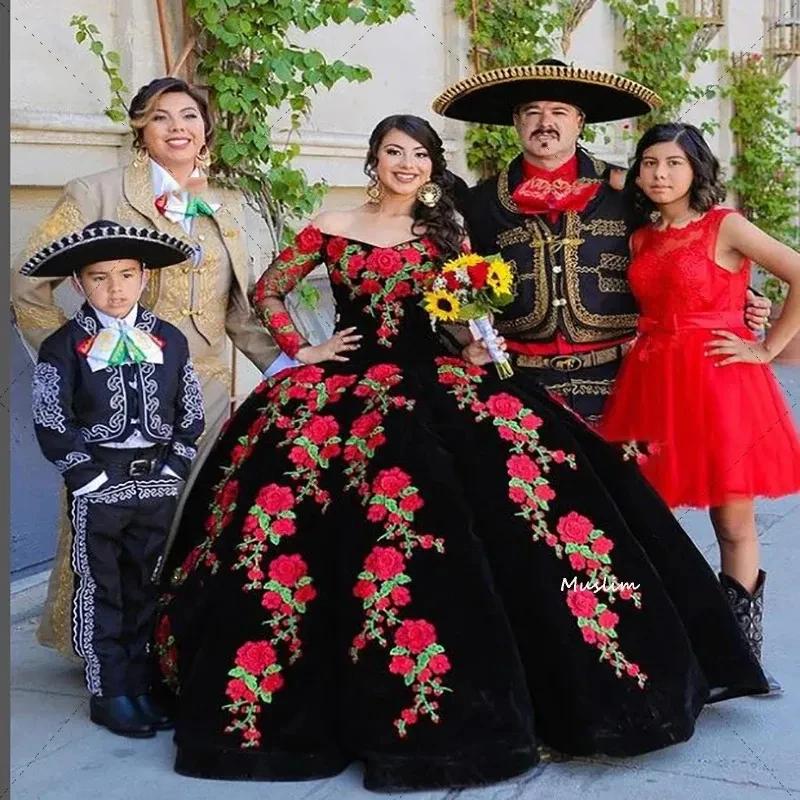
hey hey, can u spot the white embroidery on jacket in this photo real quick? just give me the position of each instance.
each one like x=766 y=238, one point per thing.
x=192 y=397
x=119 y=405
x=147 y=321
x=46 y=404
x=183 y=451
x=87 y=322
x=72 y=460
x=153 y=423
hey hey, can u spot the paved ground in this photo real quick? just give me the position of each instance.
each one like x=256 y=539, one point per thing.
x=746 y=749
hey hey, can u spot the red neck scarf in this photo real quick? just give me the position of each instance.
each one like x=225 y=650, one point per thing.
x=553 y=192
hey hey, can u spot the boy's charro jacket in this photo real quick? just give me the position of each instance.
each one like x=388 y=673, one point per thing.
x=75 y=408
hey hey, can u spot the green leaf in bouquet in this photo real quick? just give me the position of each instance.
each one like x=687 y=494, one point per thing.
x=470 y=311
x=502 y=300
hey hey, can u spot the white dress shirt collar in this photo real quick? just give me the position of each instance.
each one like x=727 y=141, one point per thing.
x=117 y=322
x=164 y=182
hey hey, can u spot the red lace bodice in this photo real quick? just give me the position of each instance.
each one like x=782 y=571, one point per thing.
x=674 y=271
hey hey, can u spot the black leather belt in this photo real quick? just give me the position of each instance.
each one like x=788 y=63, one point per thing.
x=134 y=462
x=575 y=361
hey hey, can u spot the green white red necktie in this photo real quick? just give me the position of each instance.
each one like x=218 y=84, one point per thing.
x=175 y=209
x=119 y=345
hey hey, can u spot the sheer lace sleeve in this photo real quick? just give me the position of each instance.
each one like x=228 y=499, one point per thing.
x=295 y=262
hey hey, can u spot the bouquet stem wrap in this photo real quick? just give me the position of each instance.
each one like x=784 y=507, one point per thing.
x=482 y=329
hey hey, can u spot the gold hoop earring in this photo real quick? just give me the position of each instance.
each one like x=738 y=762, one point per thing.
x=203 y=158
x=429 y=194
x=374 y=191
x=141 y=156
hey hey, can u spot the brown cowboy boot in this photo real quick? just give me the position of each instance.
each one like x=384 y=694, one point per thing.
x=749 y=612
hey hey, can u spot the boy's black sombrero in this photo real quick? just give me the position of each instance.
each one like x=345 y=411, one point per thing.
x=491 y=97
x=106 y=241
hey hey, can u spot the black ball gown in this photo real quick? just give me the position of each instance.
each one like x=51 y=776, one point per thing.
x=405 y=561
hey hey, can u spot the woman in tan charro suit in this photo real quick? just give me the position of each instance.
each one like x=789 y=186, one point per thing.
x=206 y=299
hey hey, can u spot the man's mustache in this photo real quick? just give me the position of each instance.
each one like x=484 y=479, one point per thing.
x=540 y=131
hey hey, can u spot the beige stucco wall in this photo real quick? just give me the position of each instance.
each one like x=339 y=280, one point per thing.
x=58 y=92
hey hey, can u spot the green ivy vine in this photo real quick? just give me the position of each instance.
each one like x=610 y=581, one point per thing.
x=659 y=53
x=766 y=164
x=86 y=31
x=260 y=84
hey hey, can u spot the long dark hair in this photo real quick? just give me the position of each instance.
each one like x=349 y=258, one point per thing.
x=439 y=223
x=707 y=189
x=144 y=104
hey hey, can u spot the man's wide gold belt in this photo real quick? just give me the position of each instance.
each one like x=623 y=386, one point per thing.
x=574 y=361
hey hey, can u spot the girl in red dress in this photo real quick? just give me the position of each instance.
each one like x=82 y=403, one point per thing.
x=697 y=383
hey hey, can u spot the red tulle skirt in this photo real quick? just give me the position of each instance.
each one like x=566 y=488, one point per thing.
x=716 y=434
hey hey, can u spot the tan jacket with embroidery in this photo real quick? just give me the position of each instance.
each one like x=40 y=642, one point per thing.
x=204 y=302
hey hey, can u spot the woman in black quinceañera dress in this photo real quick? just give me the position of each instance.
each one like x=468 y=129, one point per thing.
x=405 y=561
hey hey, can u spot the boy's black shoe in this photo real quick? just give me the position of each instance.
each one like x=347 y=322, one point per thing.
x=153 y=712
x=120 y=716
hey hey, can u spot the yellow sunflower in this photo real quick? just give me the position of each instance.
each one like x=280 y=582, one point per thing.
x=442 y=305
x=462 y=262
x=499 y=277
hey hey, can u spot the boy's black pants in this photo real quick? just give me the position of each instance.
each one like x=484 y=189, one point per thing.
x=118 y=537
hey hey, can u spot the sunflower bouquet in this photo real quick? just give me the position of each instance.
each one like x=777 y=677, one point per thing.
x=470 y=289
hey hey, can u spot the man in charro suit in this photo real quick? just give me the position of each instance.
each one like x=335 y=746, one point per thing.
x=559 y=214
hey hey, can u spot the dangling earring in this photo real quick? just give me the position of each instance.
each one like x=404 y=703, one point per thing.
x=374 y=191
x=203 y=158
x=141 y=155
x=429 y=194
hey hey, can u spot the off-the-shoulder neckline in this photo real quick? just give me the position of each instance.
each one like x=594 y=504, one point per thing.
x=371 y=244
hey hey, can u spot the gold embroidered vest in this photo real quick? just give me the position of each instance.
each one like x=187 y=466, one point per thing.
x=571 y=275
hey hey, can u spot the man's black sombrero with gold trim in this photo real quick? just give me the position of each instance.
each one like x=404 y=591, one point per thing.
x=106 y=241
x=491 y=97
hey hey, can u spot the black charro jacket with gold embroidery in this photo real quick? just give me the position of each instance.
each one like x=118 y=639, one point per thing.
x=572 y=276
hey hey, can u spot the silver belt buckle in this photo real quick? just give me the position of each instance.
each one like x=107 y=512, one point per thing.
x=140 y=467
x=566 y=363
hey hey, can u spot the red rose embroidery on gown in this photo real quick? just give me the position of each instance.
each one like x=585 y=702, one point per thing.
x=371 y=559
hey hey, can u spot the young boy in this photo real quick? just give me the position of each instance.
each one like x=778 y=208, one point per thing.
x=117 y=407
